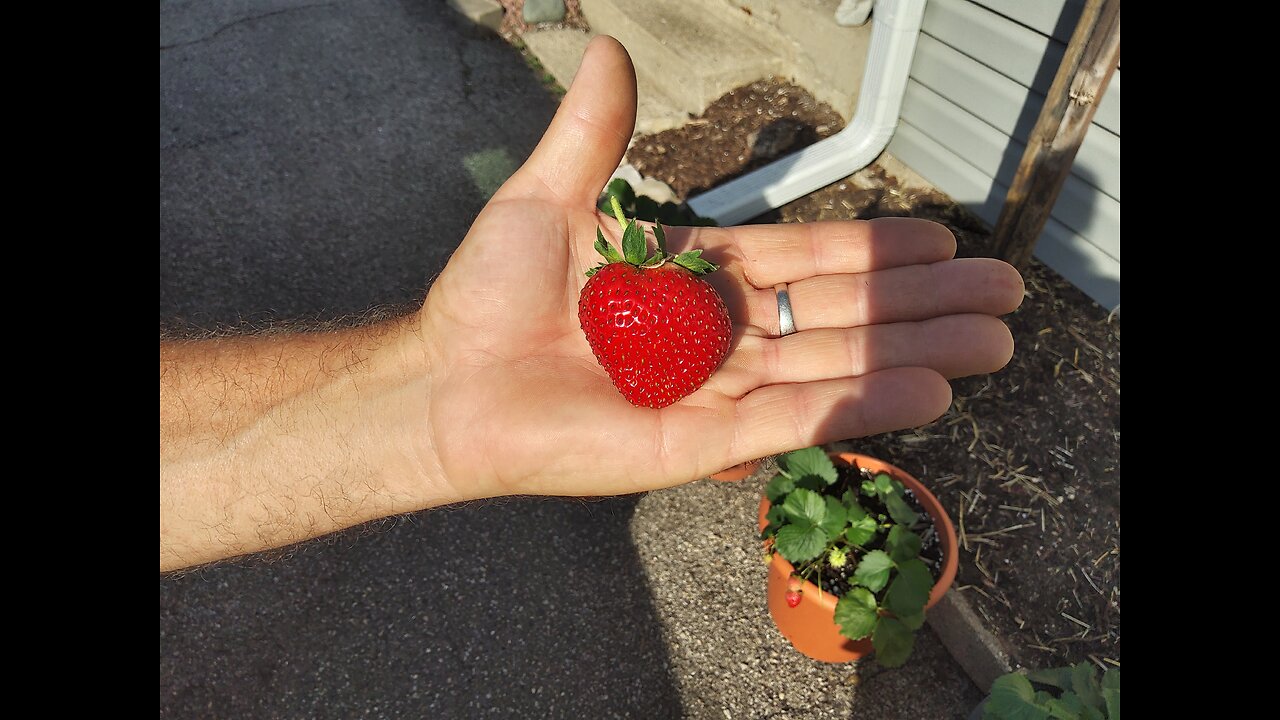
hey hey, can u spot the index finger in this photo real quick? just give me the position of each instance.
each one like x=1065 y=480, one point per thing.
x=787 y=253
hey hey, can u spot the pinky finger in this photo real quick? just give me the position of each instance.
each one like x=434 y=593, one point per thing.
x=780 y=418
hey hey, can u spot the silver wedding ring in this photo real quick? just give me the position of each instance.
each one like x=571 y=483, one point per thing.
x=786 y=321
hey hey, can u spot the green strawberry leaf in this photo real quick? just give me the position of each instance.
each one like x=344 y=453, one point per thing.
x=780 y=485
x=833 y=523
x=693 y=262
x=851 y=506
x=856 y=614
x=810 y=461
x=913 y=622
x=811 y=482
x=604 y=248
x=661 y=236
x=861 y=531
x=634 y=244
x=899 y=510
x=1111 y=692
x=1112 y=699
x=1067 y=707
x=909 y=591
x=1057 y=677
x=873 y=570
x=1111 y=679
x=800 y=542
x=893 y=642
x=1013 y=698
x=884 y=484
x=774 y=519
x=1085 y=684
x=805 y=506
x=595 y=270
x=902 y=544
x=868 y=488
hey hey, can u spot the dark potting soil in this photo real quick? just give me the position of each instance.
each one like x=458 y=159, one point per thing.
x=837 y=581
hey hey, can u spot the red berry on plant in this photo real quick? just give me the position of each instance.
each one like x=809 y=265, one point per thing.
x=793 y=598
x=654 y=324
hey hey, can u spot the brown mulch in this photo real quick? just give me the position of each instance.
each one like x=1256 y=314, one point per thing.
x=1027 y=460
x=741 y=130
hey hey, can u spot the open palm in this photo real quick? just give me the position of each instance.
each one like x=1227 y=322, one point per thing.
x=519 y=405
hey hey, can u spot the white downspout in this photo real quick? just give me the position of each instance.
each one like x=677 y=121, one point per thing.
x=893 y=43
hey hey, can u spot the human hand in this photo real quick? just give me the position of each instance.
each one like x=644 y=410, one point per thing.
x=518 y=404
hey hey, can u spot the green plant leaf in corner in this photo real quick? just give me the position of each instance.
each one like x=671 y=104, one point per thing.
x=810 y=461
x=1111 y=692
x=1085 y=684
x=856 y=614
x=1088 y=713
x=893 y=642
x=1067 y=707
x=1013 y=698
x=873 y=570
x=1112 y=699
x=1057 y=677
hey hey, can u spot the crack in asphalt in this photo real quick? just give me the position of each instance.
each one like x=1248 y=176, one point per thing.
x=242 y=21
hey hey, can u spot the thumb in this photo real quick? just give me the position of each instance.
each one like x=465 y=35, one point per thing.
x=589 y=133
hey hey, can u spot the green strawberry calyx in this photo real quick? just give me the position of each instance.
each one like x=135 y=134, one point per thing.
x=635 y=248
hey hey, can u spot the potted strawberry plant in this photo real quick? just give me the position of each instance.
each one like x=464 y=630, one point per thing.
x=858 y=550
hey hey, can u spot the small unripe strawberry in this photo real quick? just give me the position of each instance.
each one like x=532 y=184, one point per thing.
x=795 y=583
x=793 y=598
x=837 y=557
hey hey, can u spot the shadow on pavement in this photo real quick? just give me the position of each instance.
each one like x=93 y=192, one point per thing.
x=317 y=159
x=529 y=608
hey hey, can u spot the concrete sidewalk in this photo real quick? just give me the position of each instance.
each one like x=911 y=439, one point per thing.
x=319 y=159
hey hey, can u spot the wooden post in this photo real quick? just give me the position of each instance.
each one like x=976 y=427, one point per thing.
x=1091 y=58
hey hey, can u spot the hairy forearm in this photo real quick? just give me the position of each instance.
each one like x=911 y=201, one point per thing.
x=267 y=441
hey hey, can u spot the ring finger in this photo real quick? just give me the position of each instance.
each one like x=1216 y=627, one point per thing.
x=914 y=292
x=953 y=346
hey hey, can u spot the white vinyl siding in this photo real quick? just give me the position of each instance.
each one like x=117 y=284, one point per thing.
x=978 y=81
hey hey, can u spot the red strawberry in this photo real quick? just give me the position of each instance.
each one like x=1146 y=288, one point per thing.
x=654 y=324
x=793 y=598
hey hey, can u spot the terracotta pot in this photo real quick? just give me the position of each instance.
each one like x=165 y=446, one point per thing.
x=737 y=472
x=811 y=626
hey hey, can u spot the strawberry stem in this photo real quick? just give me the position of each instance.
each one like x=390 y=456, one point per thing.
x=617 y=212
